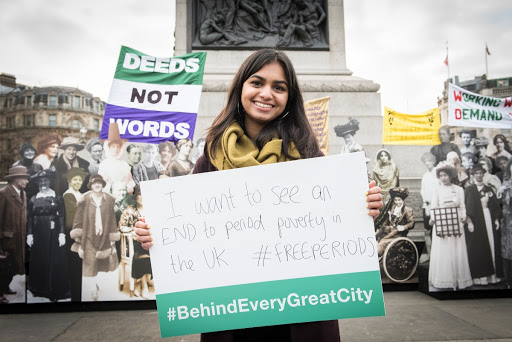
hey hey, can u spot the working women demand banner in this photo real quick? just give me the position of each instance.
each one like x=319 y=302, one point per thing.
x=468 y=109
x=154 y=99
x=263 y=246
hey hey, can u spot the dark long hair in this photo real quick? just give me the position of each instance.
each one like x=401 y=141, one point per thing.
x=292 y=127
x=502 y=138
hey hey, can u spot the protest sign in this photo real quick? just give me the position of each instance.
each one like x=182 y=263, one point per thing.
x=468 y=109
x=154 y=99
x=411 y=129
x=274 y=244
x=317 y=112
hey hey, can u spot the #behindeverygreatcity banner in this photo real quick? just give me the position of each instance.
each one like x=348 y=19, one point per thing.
x=154 y=99
x=317 y=112
x=263 y=245
x=411 y=129
x=468 y=109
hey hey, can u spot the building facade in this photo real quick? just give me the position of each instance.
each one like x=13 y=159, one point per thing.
x=27 y=113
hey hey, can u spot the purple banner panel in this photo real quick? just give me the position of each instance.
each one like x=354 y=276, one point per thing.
x=149 y=126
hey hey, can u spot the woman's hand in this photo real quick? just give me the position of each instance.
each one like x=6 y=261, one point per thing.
x=30 y=240
x=62 y=239
x=143 y=232
x=374 y=199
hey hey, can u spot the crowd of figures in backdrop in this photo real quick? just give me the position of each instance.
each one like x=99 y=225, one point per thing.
x=68 y=215
x=467 y=208
x=289 y=23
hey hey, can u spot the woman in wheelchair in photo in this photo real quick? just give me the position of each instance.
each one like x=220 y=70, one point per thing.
x=399 y=222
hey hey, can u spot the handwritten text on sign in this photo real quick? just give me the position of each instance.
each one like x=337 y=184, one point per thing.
x=268 y=223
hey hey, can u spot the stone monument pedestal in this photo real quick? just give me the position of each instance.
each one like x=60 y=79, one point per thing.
x=320 y=73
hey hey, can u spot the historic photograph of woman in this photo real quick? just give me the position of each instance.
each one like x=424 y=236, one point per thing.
x=95 y=229
x=46 y=238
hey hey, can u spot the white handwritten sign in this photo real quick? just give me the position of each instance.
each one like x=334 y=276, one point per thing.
x=273 y=244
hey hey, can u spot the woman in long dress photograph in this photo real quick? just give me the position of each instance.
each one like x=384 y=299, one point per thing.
x=75 y=177
x=449 y=266
x=46 y=238
x=505 y=193
x=96 y=231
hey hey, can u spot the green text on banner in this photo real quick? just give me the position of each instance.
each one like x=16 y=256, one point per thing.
x=274 y=244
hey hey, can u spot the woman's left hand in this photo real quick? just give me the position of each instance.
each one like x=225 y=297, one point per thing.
x=374 y=199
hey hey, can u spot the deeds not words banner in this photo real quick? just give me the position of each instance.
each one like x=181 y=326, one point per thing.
x=154 y=99
x=468 y=109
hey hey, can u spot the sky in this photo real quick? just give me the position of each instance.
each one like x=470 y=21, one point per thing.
x=400 y=45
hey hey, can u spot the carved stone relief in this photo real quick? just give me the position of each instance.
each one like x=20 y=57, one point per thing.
x=242 y=24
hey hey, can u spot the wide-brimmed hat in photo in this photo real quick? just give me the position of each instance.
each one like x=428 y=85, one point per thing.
x=94 y=179
x=448 y=169
x=352 y=126
x=400 y=191
x=47 y=140
x=71 y=141
x=478 y=167
x=17 y=171
x=75 y=171
x=113 y=134
x=481 y=141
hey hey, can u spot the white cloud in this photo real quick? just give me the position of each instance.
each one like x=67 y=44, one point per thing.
x=402 y=45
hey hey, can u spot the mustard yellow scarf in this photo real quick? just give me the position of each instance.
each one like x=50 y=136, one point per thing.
x=235 y=150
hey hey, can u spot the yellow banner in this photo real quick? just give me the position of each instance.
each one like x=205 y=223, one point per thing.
x=411 y=129
x=317 y=112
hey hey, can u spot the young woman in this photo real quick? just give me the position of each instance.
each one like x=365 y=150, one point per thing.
x=141 y=265
x=167 y=152
x=181 y=165
x=449 y=265
x=47 y=149
x=264 y=122
x=46 y=236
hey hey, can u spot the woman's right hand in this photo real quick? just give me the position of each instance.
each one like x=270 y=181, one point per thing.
x=143 y=232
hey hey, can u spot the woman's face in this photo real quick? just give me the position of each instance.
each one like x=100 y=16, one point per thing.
x=44 y=184
x=166 y=154
x=484 y=165
x=149 y=155
x=76 y=183
x=96 y=152
x=349 y=138
x=139 y=200
x=444 y=178
x=264 y=95
x=186 y=148
x=70 y=152
x=500 y=145
x=482 y=150
x=444 y=136
x=29 y=154
x=467 y=162
x=52 y=150
x=398 y=201
x=200 y=147
x=115 y=149
x=429 y=163
x=97 y=187
x=383 y=157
